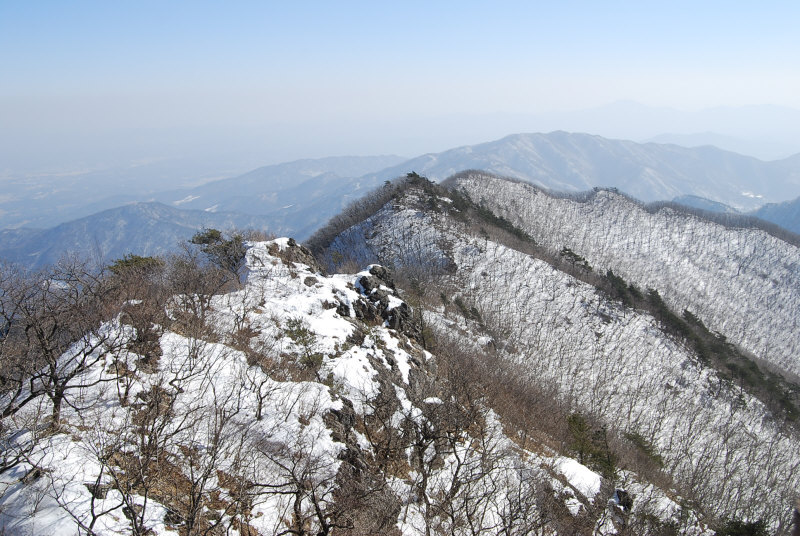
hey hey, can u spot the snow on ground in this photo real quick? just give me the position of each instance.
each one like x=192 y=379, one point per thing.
x=611 y=362
x=579 y=476
x=741 y=282
x=213 y=413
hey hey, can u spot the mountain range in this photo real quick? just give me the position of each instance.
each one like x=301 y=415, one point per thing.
x=479 y=356
x=564 y=161
x=298 y=197
x=722 y=271
x=559 y=161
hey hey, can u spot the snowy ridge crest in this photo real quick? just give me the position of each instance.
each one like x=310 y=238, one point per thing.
x=297 y=403
x=600 y=358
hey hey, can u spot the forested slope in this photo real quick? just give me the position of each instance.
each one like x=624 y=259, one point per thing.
x=741 y=282
x=477 y=274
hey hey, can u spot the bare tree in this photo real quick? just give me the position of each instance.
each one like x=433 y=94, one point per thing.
x=53 y=335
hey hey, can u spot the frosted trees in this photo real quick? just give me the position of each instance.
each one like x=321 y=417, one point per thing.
x=740 y=281
x=635 y=373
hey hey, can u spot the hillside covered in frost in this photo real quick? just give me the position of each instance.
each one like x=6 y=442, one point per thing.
x=742 y=282
x=607 y=350
x=176 y=397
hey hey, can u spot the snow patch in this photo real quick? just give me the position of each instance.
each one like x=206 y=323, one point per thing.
x=187 y=199
x=580 y=477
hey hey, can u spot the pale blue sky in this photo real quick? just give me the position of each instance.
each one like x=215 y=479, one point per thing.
x=89 y=67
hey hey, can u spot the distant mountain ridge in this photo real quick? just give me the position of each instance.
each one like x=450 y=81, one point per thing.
x=651 y=172
x=139 y=228
x=271 y=188
x=763 y=150
x=702 y=203
x=296 y=198
x=786 y=214
x=559 y=161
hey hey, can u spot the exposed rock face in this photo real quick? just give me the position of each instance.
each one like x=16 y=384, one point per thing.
x=623 y=499
x=295 y=252
x=378 y=287
x=341 y=421
x=383 y=274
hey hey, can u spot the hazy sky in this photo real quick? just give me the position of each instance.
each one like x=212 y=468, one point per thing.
x=150 y=76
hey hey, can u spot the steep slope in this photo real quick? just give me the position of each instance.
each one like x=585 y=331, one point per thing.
x=590 y=352
x=139 y=228
x=743 y=283
x=296 y=404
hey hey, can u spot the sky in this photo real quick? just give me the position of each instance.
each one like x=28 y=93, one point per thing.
x=272 y=81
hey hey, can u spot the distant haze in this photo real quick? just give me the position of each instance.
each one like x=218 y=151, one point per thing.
x=297 y=198
x=768 y=133
x=92 y=84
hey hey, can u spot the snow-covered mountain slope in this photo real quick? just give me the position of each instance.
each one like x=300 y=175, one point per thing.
x=722 y=446
x=298 y=403
x=743 y=283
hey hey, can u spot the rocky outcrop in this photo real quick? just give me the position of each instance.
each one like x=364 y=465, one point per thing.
x=295 y=252
x=379 y=289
